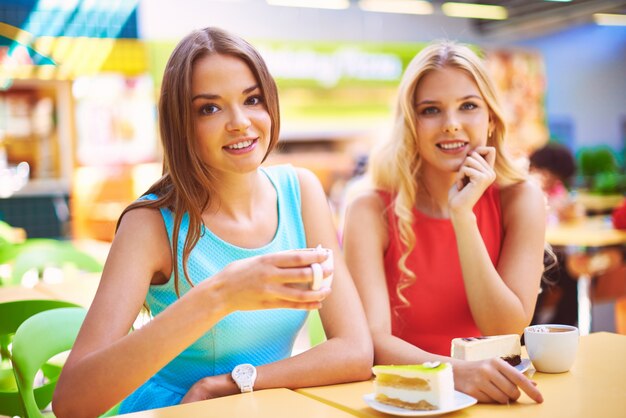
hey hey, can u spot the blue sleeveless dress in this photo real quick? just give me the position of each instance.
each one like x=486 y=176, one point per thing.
x=256 y=337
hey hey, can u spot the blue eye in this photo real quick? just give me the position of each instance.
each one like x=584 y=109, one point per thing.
x=469 y=106
x=430 y=110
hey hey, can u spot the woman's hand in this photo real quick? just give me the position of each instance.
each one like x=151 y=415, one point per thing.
x=209 y=388
x=493 y=380
x=279 y=280
x=473 y=178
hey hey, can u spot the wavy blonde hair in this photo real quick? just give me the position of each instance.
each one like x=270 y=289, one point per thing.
x=187 y=184
x=395 y=162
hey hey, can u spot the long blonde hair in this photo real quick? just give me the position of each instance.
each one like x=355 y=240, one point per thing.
x=395 y=162
x=187 y=184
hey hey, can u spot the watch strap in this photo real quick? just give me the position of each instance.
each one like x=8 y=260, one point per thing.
x=244 y=384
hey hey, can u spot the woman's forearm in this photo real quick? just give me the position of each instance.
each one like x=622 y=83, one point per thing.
x=496 y=309
x=390 y=349
x=334 y=361
x=93 y=384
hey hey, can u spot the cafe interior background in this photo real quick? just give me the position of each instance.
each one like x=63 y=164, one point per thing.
x=79 y=81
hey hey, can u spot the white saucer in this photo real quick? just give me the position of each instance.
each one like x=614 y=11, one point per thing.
x=524 y=365
x=461 y=401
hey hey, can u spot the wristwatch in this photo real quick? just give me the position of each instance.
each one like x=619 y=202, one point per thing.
x=244 y=376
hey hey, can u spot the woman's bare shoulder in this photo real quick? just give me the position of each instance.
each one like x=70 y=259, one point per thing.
x=368 y=199
x=524 y=190
x=522 y=199
x=142 y=219
x=142 y=233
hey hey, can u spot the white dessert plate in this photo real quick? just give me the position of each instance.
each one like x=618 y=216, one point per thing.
x=524 y=365
x=461 y=401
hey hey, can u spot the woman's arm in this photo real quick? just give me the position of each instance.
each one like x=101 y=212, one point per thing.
x=502 y=298
x=365 y=242
x=107 y=363
x=347 y=353
x=348 y=345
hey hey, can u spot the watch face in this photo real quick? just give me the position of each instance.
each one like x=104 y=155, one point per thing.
x=244 y=375
x=243 y=372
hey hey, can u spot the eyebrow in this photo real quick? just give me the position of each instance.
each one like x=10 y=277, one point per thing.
x=217 y=96
x=468 y=97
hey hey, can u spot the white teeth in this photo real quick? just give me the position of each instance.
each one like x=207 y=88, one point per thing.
x=240 y=145
x=454 y=145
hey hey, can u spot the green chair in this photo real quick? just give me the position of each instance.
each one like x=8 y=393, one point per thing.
x=40 y=253
x=38 y=339
x=11 y=250
x=8 y=242
x=12 y=315
x=6 y=234
x=315 y=329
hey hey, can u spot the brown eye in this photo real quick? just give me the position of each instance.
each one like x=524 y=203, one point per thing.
x=254 y=100
x=208 y=109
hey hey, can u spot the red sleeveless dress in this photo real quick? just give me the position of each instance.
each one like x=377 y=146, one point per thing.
x=439 y=309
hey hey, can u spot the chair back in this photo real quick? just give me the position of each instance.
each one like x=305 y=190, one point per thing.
x=39 y=338
x=12 y=315
x=40 y=253
x=315 y=329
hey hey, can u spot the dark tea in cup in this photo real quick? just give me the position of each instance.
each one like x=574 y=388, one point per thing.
x=551 y=348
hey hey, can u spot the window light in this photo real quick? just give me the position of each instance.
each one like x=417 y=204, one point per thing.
x=317 y=4
x=416 y=7
x=476 y=11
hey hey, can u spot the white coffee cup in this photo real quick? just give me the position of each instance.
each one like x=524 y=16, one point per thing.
x=319 y=281
x=551 y=347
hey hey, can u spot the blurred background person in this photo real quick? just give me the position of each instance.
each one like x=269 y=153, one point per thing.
x=554 y=168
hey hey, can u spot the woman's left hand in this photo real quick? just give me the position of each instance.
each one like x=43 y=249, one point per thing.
x=210 y=387
x=473 y=178
x=493 y=380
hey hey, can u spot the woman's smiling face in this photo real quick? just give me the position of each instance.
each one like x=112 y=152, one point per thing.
x=452 y=118
x=232 y=124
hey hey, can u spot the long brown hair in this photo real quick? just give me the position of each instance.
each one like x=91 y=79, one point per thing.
x=187 y=184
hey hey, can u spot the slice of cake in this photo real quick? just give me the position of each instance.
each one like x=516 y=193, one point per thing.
x=427 y=386
x=506 y=347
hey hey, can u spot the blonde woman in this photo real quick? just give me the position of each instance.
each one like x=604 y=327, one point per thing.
x=207 y=249
x=454 y=241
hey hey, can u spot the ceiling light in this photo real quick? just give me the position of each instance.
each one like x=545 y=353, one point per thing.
x=607 y=19
x=475 y=11
x=316 y=4
x=416 y=7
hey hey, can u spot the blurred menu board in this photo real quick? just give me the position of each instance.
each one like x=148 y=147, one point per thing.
x=343 y=86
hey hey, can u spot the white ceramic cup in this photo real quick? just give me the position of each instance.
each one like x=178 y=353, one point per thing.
x=551 y=347
x=319 y=281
